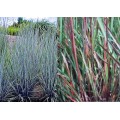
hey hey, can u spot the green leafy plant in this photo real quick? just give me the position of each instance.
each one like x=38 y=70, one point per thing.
x=13 y=30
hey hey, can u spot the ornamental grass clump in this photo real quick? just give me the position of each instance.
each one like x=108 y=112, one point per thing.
x=30 y=66
x=89 y=59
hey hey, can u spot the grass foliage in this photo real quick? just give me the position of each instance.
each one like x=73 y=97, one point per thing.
x=30 y=67
x=89 y=59
x=82 y=65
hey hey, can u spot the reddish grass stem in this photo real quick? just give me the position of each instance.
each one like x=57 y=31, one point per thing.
x=83 y=94
x=105 y=45
x=74 y=49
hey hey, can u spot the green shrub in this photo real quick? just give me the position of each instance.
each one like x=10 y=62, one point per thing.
x=13 y=30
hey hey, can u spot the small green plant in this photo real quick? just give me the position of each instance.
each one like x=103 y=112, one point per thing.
x=13 y=30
